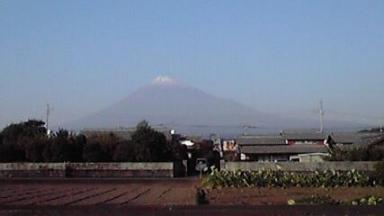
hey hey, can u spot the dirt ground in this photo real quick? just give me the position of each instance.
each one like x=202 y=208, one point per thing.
x=166 y=197
x=280 y=196
x=158 y=192
x=101 y=192
x=199 y=210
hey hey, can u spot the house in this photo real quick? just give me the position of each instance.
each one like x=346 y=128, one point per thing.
x=310 y=157
x=304 y=137
x=188 y=143
x=343 y=139
x=230 y=150
x=229 y=145
x=261 y=140
x=353 y=139
x=279 y=147
x=217 y=144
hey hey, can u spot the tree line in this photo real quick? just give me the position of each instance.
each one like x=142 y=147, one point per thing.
x=364 y=153
x=29 y=142
x=371 y=151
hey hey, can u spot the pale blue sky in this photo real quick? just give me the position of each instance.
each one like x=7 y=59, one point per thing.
x=276 y=56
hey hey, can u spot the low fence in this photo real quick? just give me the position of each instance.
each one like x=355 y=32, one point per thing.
x=301 y=166
x=90 y=170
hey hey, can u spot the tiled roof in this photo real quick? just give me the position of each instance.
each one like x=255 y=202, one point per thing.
x=305 y=136
x=345 y=137
x=260 y=140
x=284 y=149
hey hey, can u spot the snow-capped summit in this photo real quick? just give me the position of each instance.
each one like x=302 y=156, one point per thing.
x=163 y=80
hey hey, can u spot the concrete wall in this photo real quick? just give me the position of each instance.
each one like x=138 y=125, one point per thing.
x=86 y=170
x=300 y=166
x=166 y=170
x=116 y=170
x=15 y=170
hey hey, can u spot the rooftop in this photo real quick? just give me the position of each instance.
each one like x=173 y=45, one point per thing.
x=345 y=137
x=304 y=136
x=284 y=149
x=261 y=140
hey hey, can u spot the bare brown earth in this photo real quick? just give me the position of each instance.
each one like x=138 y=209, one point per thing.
x=98 y=192
x=166 y=197
x=280 y=196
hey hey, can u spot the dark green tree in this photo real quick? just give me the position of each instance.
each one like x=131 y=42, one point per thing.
x=29 y=129
x=16 y=138
x=9 y=153
x=108 y=142
x=93 y=152
x=124 y=152
x=64 y=147
x=34 y=150
x=150 y=145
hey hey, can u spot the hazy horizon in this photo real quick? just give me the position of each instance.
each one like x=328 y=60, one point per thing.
x=279 y=57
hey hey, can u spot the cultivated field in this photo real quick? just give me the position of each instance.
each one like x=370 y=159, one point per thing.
x=166 y=197
x=280 y=196
x=97 y=192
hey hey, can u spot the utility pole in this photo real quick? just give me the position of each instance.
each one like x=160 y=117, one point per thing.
x=245 y=131
x=48 y=112
x=321 y=117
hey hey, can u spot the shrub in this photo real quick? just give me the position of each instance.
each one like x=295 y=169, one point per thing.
x=17 y=137
x=64 y=147
x=269 y=178
x=34 y=150
x=28 y=141
x=9 y=153
x=124 y=152
x=315 y=200
x=363 y=153
x=369 y=200
x=93 y=152
x=30 y=129
x=108 y=143
x=378 y=173
x=150 y=145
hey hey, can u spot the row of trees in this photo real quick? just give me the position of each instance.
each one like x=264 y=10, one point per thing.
x=28 y=141
x=364 y=153
x=374 y=151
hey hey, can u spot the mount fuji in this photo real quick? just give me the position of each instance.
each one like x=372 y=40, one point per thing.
x=187 y=109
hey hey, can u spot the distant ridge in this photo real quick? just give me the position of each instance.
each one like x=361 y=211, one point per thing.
x=169 y=103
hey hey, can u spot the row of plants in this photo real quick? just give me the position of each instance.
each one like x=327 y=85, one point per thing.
x=327 y=200
x=314 y=200
x=369 y=200
x=279 y=178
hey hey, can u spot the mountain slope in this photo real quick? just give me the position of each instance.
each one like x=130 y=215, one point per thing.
x=179 y=106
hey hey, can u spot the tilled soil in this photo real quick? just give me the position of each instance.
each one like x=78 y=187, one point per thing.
x=280 y=196
x=103 y=192
x=168 y=197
